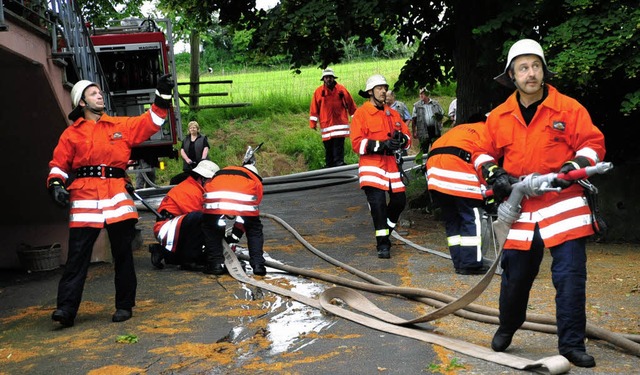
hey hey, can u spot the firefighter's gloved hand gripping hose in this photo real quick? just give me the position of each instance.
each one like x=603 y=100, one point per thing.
x=535 y=185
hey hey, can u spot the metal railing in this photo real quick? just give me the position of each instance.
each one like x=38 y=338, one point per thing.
x=71 y=42
x=3 y=26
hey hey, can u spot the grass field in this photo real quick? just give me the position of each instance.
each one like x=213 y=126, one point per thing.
x=278 y=115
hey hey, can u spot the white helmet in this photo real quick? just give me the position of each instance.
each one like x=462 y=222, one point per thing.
x=373 y=81
x=519 y=48
x=78 y=90
x=376 y=80
x=252 y=168
x=206 y=168
x=328 y=72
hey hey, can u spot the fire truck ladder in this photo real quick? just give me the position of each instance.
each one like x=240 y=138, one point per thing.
x=71 y=44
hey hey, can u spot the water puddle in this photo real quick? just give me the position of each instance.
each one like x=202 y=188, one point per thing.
x=290 y=322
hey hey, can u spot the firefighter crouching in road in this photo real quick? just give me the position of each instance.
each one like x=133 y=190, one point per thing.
x=539 y=130
x=232 y=193
x=457 y=190
x=378 y=136
x=94 y=150
x=179 y=231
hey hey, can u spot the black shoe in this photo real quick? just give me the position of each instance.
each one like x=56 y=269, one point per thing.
x=192 y=267
x=215 y=269
x=580 y=358
x=62 y=317
x=157 y=255
x=501 y=341
x=472 y=271
x=384 y=253
x=121 y=315
x=259 y=270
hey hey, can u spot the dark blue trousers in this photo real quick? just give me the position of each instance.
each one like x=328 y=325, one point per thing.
x=382 y=212
x=569 y=276
x=463 y=228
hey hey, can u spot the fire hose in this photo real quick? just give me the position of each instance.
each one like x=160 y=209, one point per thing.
x=462 y=306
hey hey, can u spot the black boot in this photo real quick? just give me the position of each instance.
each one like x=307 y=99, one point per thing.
x=157 y=254
x=580 y=358
x=215 y=269
x=63 y=317
x=501 y=340
x=259 y=269
x=121 y=315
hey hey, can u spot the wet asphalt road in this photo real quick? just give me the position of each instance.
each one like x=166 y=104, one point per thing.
x=191 y=323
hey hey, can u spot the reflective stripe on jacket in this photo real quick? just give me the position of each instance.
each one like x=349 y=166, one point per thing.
x=451 y=175
x=370 y=123
x=560 y=130
x=332 y=109
x=108 y=142
x=184 y=198
x=237 y=194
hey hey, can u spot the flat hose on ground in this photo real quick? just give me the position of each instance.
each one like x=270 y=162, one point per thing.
x=556 y=364
x=535 y=322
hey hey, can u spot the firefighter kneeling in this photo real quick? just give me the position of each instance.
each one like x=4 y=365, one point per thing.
x=233 y=192
x=179 y=231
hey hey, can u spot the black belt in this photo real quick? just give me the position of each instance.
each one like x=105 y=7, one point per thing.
x=101 y=171
x=450 y=150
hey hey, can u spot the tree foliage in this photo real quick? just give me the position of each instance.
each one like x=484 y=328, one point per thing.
x=591 y=44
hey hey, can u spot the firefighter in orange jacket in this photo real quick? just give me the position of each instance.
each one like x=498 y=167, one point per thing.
x=233 y=192
x=457 y=190
x=537 y=129
x=332 y=105
x=95 y=150
x=379 y=135
x=179 y=231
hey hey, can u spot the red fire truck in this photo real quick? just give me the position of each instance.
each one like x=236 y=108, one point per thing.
x=133 y=55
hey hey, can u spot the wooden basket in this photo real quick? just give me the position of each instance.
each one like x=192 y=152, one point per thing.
x=39 y=258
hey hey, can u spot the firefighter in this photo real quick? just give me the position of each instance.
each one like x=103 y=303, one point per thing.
x=457 y=190
x=378 y=136
x=95 y=150
x=539 y=130
x=332 y=105
x=179 y=230
x=233 y=192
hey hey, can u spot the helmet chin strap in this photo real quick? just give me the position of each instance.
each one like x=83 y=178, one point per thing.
x=93 y=110
x=376 y=102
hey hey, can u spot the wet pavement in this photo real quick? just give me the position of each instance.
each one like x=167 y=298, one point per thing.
x=191 y=323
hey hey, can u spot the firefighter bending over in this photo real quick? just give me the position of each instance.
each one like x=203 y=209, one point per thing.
x=232 y=193
x=95 y=150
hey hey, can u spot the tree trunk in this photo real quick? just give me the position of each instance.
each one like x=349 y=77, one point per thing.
x=477 y=92
x=194 y=76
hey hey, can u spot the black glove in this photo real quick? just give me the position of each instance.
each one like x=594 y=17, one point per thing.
x=193 y=164
x=499 y=180
x=59 y=193
x=401 y=137
x=128 y=186
x=163 y=91
x=571 y=165
x=501 y=187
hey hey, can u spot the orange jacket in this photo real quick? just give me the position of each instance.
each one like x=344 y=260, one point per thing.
x=184 y=198
x=450 y=174
x=560 y=130
x=233 y=191
x=332 y=108
x=370 y=123
x=108 y=141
